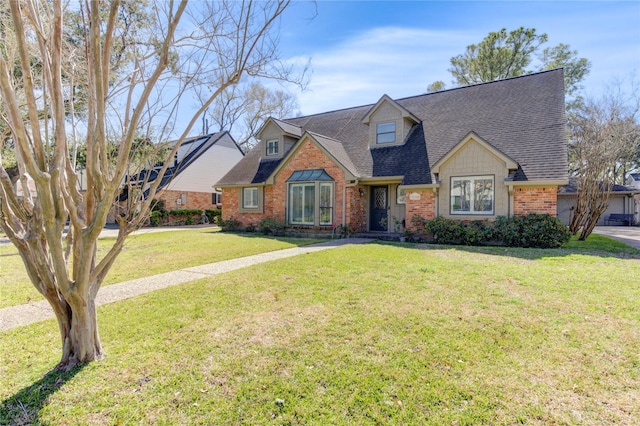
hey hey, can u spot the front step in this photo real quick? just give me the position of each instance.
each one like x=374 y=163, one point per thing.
x=384 y=236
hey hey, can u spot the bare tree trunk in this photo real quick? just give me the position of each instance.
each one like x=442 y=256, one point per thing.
x=599 y=206
x=78 y=323
x=81 y=341
x=230 y=39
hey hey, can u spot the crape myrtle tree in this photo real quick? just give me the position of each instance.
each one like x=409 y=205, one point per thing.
x=603 y=134
x=131 y=77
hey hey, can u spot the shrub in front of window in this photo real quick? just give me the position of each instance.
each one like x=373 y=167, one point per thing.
x=230 y=224
x=271 y=226
x=534 y=230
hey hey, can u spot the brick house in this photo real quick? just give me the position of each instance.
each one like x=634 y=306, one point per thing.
x=470 y=153
x=198 y=164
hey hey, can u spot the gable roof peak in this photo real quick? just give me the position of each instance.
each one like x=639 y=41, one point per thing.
x=387 y=99
x=288 y=128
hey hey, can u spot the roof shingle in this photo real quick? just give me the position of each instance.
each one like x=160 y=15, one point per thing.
x=522 y=117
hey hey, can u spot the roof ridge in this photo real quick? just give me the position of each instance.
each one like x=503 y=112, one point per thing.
x=371 y=105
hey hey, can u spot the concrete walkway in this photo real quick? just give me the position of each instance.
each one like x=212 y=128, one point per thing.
x=21 y=315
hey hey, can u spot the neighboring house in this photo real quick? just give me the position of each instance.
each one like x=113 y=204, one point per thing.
x=633 y=181
x=620 y=202
x=198 y=164
x=471 y=153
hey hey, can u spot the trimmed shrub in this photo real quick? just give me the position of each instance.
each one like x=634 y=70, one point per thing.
x=214 y=215
x=445 y=231
x=271 y=226
x=534 y=230
x=229 y=225
x=158 y=217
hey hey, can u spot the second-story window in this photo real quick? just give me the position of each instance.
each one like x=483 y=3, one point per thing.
x=386 y=132
x=272 y=147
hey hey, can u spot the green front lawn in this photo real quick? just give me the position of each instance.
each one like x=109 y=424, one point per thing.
x=147 y=254
x=367 y=334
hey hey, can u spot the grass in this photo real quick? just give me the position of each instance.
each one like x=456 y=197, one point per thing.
x=145 y=255
x=368 y=334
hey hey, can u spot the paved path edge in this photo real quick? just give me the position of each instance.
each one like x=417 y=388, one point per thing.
x=29 y=313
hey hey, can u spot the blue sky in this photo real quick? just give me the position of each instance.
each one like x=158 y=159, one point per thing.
x=361 y=50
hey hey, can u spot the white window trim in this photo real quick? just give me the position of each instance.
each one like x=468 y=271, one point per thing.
x=472 y=210
x=378 y=133
x=271 y=143
x=244 y=198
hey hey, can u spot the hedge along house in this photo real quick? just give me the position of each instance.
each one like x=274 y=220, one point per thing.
x=471 y=153
x=199 y=162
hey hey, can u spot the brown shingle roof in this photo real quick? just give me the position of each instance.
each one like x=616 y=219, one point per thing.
x=522 y=117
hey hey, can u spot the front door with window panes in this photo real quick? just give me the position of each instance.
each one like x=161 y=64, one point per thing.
x=379 y=208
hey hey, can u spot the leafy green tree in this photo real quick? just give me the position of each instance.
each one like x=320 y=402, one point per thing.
x=575 y=69
x=436 y=86
x=498 y=56
x=505 y=54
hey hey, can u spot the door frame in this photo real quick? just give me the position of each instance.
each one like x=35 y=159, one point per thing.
x=377 y=214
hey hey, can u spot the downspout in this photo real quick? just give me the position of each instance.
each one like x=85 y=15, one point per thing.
x=510 y=201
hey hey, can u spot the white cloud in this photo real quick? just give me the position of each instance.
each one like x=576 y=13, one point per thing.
x=400 y=61
x=395 y=61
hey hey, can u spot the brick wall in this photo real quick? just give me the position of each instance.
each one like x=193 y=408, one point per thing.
x=194 y=200
x=309 y=156
x=528 y=200
x=425 y=207
x=356 y=208
x=231 y=201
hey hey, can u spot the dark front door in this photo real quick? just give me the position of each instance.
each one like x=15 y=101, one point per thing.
x=379 y=205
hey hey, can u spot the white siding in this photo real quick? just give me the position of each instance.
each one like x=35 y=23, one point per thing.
x=209 y=168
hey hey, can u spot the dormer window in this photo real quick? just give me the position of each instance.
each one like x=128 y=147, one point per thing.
x=272 y=147
x=386 y=132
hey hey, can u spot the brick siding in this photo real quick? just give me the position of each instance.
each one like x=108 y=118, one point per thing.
x=425 y=207
x=194 y=200
x=309 y=156
x=528 y=200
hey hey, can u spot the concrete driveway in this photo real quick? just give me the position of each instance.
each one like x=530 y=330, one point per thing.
x=627 y=234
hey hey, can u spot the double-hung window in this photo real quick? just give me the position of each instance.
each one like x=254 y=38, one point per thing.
x=272 y=147
x=310 y=200
x=326 y=203
x=386 y=132
x=250 y=198
x=472 y=195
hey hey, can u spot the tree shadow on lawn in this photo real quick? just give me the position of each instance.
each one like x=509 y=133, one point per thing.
x=24 y=407
x=615 y=250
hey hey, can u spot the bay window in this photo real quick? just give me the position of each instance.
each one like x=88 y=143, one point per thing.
x=310 y=200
